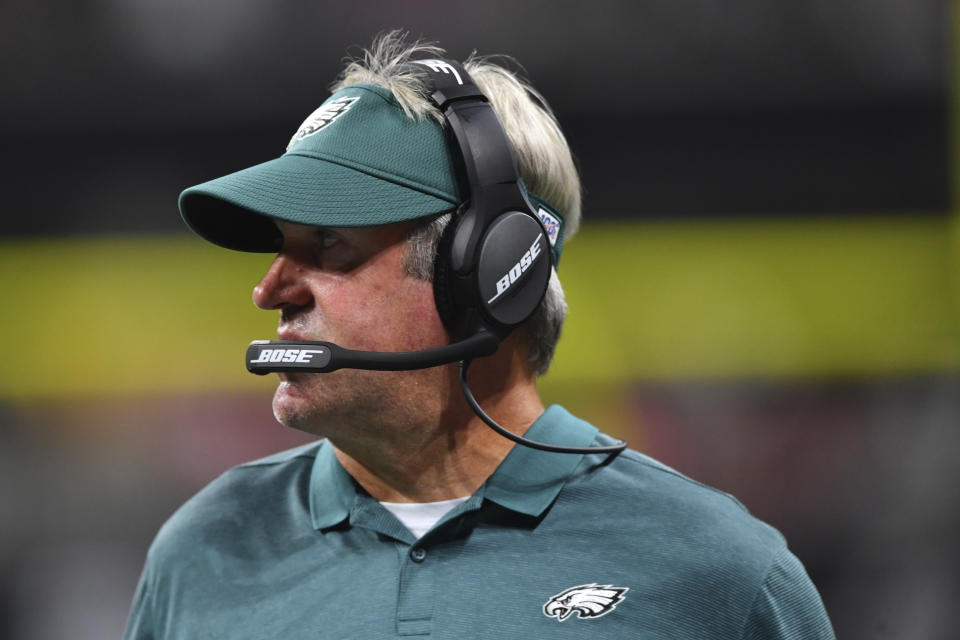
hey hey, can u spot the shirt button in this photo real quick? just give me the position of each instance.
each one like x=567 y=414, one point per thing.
x=418 y=554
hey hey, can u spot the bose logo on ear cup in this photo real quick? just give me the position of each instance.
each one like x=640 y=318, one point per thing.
x=516 y=270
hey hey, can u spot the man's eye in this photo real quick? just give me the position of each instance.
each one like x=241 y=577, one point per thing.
x=331 y=250
x=327 y=240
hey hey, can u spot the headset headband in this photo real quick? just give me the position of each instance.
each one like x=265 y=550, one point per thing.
x=488 y=158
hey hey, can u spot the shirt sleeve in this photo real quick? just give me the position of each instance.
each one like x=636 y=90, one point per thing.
x=140 y=622
x=787 y=606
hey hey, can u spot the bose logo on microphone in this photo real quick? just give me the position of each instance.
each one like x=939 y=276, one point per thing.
x=516 y=270
x=286 y=355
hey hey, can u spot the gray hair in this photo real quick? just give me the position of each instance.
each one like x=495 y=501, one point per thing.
x=543 y=156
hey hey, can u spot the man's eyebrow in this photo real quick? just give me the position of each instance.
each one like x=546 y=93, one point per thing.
x=349 y=236
x=345 y=232
x=318 y=233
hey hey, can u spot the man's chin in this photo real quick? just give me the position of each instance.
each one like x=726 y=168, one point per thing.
x=291 y=407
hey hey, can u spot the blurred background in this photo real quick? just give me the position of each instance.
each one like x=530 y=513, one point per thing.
x=765 y=293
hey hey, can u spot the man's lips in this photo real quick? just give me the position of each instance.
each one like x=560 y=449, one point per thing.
x=293 y=334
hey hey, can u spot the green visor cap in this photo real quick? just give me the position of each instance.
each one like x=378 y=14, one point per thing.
x=357 y=161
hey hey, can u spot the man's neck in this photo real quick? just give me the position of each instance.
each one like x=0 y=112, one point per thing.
x=450 y=460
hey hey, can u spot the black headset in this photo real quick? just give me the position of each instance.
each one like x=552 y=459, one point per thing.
x=493 y=262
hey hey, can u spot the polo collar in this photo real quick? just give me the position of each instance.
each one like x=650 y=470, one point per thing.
x=527 y=481
x=332 y=489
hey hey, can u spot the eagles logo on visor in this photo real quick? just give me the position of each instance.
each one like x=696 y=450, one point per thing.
x=322 y=117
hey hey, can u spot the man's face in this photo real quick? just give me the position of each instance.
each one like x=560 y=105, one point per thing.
x=348 y=286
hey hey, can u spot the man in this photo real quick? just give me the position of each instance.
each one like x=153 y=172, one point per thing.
x=411 y=517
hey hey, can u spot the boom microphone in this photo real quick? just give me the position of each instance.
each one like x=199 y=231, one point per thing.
x=308 y=356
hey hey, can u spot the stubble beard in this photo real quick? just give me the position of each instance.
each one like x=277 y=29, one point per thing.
x=351 y=404
x=319 y=403
x=355 y=404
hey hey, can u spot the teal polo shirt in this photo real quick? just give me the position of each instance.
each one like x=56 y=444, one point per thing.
x=551 y=546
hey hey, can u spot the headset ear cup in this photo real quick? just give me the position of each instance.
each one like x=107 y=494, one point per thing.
x=513 y=269
x=442 y=278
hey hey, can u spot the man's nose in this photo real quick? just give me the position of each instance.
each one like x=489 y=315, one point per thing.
x=283 y=285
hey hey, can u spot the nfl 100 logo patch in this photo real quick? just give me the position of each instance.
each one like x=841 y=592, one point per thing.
x=550 y=224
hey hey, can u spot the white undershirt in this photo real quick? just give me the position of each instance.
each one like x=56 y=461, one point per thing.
x=419 y=517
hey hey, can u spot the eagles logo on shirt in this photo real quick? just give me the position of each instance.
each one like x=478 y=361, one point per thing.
x=322 y=117
x=587 y=601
